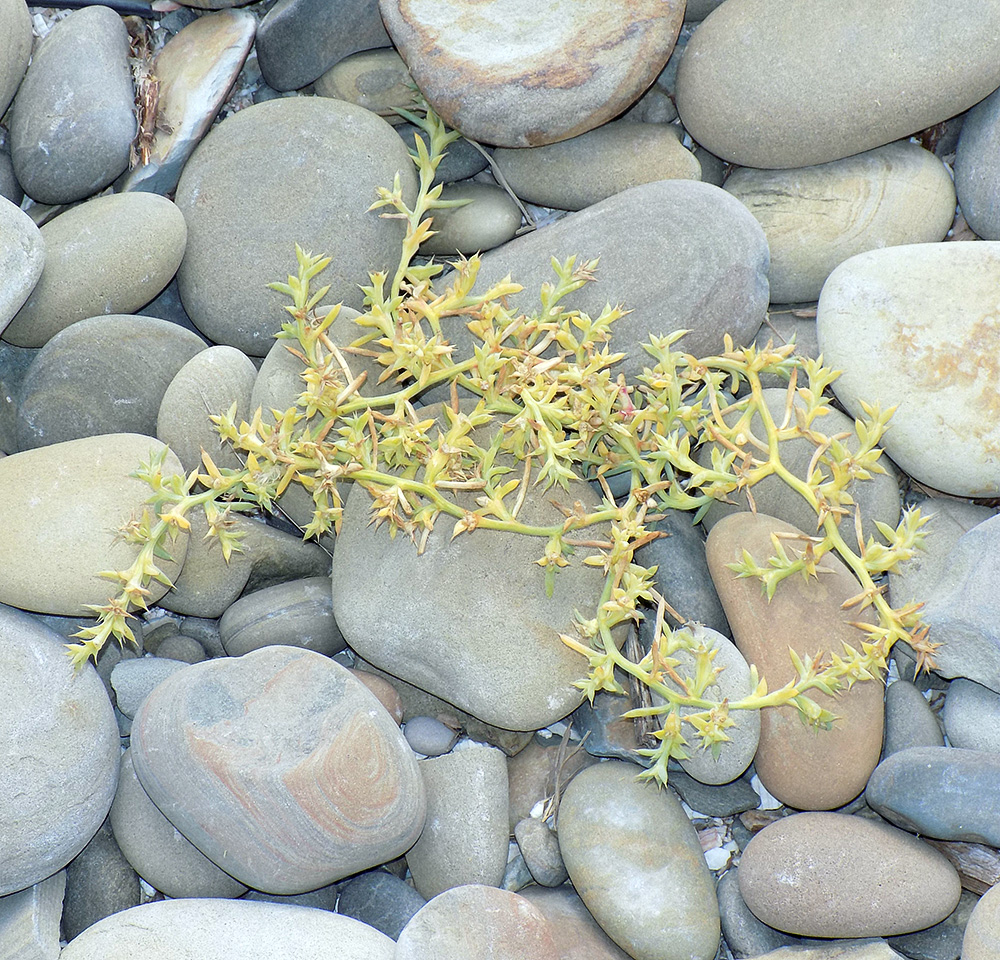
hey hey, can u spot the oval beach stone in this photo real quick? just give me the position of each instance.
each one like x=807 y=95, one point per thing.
x=790 y=84
x=15 y=48
x=280 y=767
x=22 y=256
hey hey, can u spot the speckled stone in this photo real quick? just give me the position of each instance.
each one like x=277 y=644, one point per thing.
x=804 y=768
x=834 y=875
x=512 y=74
x=230 y=749
x=610 y=853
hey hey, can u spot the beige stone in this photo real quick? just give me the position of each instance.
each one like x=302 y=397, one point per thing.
x=374 y=79
x=983 y=932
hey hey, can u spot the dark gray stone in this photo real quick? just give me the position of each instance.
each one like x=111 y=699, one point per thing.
x=381 y=900
x=909 y=720
x=722 y=800
x=14 y=364
x=181 y=648
x=325 y=898
x=744 y=933
x=99 y=882
x=461 y=162
x=977 y=176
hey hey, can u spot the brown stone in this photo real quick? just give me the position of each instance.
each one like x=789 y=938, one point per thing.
x=541 y=772
x=802 y=767
x=576 y=933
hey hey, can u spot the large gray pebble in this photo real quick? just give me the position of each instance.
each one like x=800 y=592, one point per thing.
x=59 y=770
x=194 y=929
x=73 y=119
x=15 y=48
x=22 y=256
x=490 y=219
x=133 y=680
x=293 y=170
x=792 y=84
x=381 y=900
x=109 y=255
x=976 y=181
x=972 y=716
x=909 y=720
x=101 y=375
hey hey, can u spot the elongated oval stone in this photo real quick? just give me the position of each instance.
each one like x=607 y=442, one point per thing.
x=804 y=768
x=835 y=875
x=280 y=767
x=61 y=508
x=918 y=327
x=766 y=84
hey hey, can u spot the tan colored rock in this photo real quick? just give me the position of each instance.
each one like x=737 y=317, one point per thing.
x=374 y=79
x=61 y=507
x=518 y=74
x=804 y=768
x=983 y=932
x=835 y=875
x=816 y=217
x=492 y=218
x=576 y=173
x=575 y=931
x=15 y=48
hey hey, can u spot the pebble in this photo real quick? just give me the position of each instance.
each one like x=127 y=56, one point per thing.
x=298 y=40
x=461 y=161
x=539 y=846
x=10 y=189
x=975 y=172
x=43 y=516
x=558 y=72
x=943 y=792
x=576 y=173
x=109 y=255
x=101 y=375
x=745 y=935
x=789 y=85
x=803 y=768
x=575 y=932
x=72 y=122
x=384 y=692
x=325 y=898
x=29 y=919
x=293 y=170
x=909 y=720
x=381 y=900
x=133 y=680
x=195 y=71
x=22 y=257
x=429 y=736
x=610 y=854
x=943 y=941
x=157 y=851
x=715 y=800
x=816 y=217
x=914 y=327
x=465 y=838
x=374 y=79
x=58 y=782
x=230 y=749
x=298 y=613
x=983 y=931
x=181 y=648
x=491 y=219
x=192 y=928
x=99 y=882
x=536 y=773
x=972 y=716
x=477 y=922
x=835 y=875
x=15 y=48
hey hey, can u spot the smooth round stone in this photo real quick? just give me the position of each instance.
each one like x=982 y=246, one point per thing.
x=181 y=648
x=298 y=40
x=99 y=882
x=877 y=498
x=15 y=48
x=745 y=935
x=22 y=256
x=610 y=853
x=157 y=851
x=57 y=783
x=975 y=168
x=816 y=217
x=943 y=792
x=381 y=900
x=476 y=922
x=295 y=614
x=513 y=74
x=61 y=507
x=293 y=170
x=196 y=929
x=800 y=83
x=209 y=383
x=109 y=255
x=972 y=716
x=711 y=268
x=279 y=751
x=374 y=79
x=429 y=736
x=909 y=720
x=101 y=375
x=195 y=71
x=465 y=838
x=575 y=932
x=492 y=218
x=916 y=327
x=835 y=875
x=73 y=119
x=133 y=680
x=278 y=556
x=584 y=170
x=803 y=768
x=384 y=691
x=461 y=161
x=539 y=846
x=983 y=931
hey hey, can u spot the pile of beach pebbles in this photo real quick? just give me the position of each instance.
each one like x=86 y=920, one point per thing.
x=343 y=749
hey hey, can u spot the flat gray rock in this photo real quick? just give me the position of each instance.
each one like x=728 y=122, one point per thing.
x=293 y=170
x=73 y=120
x=57 y=779
x=22 y=256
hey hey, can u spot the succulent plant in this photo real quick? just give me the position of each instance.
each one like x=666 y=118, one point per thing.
x=545 y=383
